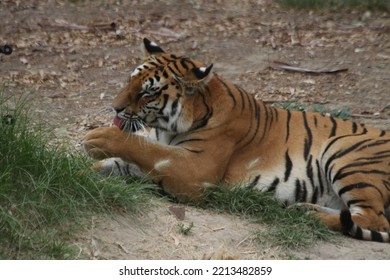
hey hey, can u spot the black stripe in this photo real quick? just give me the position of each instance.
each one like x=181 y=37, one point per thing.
x=183 y=63
x=209 y=113
x=119 y=168
x=128 y=172
x=376 y=143
x=365 y=206
x=254 y=182
x=334 y=127
x=382 y=133
x=354 y=201
x=374 y=171
x=289 y=166
x=194 y=151
x=304 y=191
x=173 y=72
x=339 y=175
x=177 y=68
x=266 y=123
x=242 y=93
x=273 y=185
x=276 y=114
x=374 y=158
x=169 y=60
x=359 y=233
x=164 y=118
x=228 y=91
x=314 y=198
x=173 y=127
x=257 y=116
x=157 y=135
x=382 y=152
x=387 y=186
x=354 y=186
x=300 y=191
x=315 y=121
x=320 y=180
x=165 y=73
x=346 y=220
x=354 y=127
x=376 y=236
x=249 y=98
x=288 y=125
x=165 y=97
x=271 y=117
x=342 y=152
x=159 y=61
x=309 y=139
x=174 y=105
x=309 y=170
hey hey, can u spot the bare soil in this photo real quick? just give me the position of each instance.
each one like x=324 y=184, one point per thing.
x=72 y=57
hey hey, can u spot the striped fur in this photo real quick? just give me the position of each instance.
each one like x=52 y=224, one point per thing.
x=206 y=130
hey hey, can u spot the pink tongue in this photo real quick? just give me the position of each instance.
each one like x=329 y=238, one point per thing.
x=118 y=122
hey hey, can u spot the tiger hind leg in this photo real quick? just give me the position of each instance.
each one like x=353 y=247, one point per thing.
x=359 y=176
x=366 y=226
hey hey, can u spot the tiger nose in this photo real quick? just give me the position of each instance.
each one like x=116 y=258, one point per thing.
x=118 y=110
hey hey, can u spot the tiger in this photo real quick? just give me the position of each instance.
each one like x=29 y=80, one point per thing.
x=202 y=131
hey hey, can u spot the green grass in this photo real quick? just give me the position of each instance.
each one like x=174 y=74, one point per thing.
x=337 y=4
x=293 y=105
x=289 y=227
x=183 y=229
x=44 y=194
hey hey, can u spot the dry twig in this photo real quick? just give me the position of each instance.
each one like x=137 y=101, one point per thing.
x=285 y=66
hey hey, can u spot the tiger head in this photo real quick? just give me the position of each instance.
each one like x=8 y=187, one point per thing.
x=161 y=92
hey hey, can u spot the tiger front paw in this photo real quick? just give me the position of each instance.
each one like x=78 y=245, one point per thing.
x=102 y=142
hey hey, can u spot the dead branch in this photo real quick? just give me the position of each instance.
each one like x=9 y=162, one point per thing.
x=64 y=25
x=285 y=66
x=271 y=101
x=366 y=116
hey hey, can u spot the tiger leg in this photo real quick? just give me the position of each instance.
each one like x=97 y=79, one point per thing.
x=363 y=217
x=117 y=167
x=359 y=177
x=367 y=209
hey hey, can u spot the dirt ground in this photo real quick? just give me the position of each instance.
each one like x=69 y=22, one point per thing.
x=74 y=56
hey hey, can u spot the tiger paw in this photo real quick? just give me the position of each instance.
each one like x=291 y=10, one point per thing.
x=117 y=167
x=102 y=142
x=305 y=206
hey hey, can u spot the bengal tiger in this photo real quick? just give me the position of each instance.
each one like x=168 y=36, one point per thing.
x=207 y=130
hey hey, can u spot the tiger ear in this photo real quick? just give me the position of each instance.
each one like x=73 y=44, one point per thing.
x=196 y=79
x=151 y=48
x=202 y=73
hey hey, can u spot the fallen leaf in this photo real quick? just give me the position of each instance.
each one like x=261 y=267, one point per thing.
x=178 y=211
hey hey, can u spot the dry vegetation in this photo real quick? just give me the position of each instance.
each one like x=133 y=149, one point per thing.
x=72 y=57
